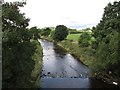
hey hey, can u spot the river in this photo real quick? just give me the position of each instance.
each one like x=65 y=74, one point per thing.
x=62 y=70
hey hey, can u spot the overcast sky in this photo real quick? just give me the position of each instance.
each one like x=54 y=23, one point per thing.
x=72 y=13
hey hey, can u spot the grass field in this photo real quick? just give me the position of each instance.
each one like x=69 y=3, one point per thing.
x=73 y=37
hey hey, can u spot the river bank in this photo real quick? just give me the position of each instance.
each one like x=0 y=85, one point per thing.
x=86 y=56
x=37 y=57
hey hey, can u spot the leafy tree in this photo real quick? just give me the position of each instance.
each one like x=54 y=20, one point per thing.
x=84 y=39
x=17 y=49
x=34 y=32
x=60 y=33
x=110 y=21
x=46 y=32
x=107 y=40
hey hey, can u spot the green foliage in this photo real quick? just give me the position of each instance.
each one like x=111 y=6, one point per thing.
x=73 y=37
x=85 y=39
x=107 y=40
x=60 y=33
x=86 y=30
x=107 y=53
x=17 y=49
x=109 y=22
x=86 y=54
x=37 y=57
x=73 y=31
x=46 y=32
x=33 y=31
x=52 y=34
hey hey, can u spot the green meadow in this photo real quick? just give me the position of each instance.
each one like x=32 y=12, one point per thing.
x=73 y=37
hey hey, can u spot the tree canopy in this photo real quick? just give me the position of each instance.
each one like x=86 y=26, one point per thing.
x=17 y=49
x=108 y=40
x=84 y=39
x=60 y=33
x=34 y=32
x=45 y=31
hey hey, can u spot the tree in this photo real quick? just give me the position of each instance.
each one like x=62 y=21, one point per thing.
x=34 y=32
x=46 y=32
x=60 y=33
x=84 y=39
x=107 y=40
x=109 y=22
x=17 y=49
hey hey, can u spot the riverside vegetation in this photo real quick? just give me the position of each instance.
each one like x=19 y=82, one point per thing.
x=98 y=48
x=21 y=52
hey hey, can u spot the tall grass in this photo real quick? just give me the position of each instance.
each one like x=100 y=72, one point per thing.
x=37 y=57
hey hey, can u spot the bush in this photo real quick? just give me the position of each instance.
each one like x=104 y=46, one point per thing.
x=84 y=39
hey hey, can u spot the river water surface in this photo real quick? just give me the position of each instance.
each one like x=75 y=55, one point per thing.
x=62 y=70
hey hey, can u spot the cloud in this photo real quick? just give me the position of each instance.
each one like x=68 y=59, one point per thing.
x=72 y=13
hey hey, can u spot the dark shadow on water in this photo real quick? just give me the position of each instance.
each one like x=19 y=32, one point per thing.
x=95 y=83
x=59 y=50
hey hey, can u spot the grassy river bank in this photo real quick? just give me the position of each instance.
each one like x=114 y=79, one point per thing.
x=87 y=57
x=37 y=57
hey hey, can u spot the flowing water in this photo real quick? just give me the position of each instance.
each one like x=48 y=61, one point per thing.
x=62 y=70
